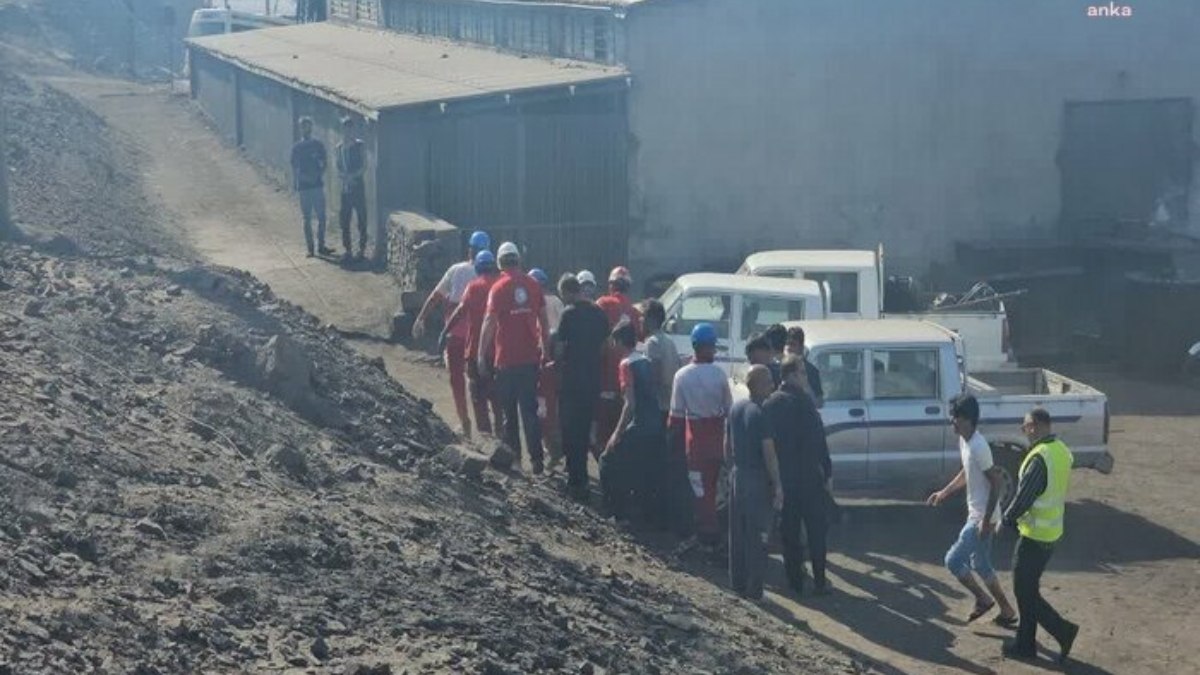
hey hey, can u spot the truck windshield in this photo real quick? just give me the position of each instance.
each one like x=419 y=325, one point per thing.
x=843 y=290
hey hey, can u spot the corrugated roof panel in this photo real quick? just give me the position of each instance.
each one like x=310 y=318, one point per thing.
x=377 y=70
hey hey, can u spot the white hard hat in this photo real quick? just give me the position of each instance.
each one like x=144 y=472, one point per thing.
x=507 y=249
x=586 y=277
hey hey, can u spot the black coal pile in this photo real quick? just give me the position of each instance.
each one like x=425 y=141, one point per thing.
x=200 y=478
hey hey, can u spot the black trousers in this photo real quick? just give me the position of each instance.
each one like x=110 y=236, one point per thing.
x=806 y=509
x=353 y=201
x=576 y=410
x=750 y=520
x=1029 y=561
x=629 y=476
x=516 y=388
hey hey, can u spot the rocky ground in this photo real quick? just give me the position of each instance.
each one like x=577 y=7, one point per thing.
x=201 y=477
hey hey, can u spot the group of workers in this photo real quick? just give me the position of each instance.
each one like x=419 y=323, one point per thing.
x=670 y=442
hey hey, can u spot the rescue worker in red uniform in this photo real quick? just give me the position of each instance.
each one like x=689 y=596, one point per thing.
x=448 y=293
x=470 y=315
x=700 y=402
x=619 y=309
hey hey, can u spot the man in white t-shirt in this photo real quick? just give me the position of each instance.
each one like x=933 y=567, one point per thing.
x=973 y=549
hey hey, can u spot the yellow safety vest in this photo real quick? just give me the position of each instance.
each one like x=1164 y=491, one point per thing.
x=1044 y=520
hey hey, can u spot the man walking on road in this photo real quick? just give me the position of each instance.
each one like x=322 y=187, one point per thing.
x=309 y=160
x=517 y=325
x=472 y=310
x=449 y=293
x=1037 y=514
x=757 y=494
x=579 y=345
x=700 y=401
x=351 y=168
x=806 y=473
x=982 y=479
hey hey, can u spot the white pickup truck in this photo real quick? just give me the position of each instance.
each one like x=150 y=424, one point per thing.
x=888 y=425
x=854 y=283
x=738 y=307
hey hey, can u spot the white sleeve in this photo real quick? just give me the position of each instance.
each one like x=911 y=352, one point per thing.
x=447 y=283
x=981 y=453
x=678 y=405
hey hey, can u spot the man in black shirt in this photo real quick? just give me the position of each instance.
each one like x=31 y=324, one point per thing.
x=805 y=470
x=578 y=348
x=756 y=493
x=351 y=167
x=308 y=173
x=795 y=347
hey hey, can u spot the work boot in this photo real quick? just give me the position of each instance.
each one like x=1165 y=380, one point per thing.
x=1064 y=645
x=325 y=250
x=1012 y=651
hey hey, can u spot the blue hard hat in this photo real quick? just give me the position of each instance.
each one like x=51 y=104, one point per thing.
x=704 y=334
x=480 y=241
x=540 y=276
x=484 y=261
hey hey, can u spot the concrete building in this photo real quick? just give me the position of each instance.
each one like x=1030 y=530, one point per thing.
x=825 y=123
x=532 y=149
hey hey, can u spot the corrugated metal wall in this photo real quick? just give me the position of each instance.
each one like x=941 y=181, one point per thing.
x=213 y=87
x=268 y=125
x=551 y=175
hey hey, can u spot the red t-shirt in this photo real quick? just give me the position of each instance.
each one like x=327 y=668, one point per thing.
x=616 y=306
x=516 y=301
x=474 y=302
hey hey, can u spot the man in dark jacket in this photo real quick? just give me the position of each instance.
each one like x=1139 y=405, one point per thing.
x=806 y=473
x=579 y=348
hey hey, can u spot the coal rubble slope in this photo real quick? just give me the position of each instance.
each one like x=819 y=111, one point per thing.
x=199 y=478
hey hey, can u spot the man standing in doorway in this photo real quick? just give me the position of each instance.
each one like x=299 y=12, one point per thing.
x=1037 y=514
x=756 y=491
x=806 y=472
x=308 y=173
x=579 y=345
x=517 y=324
x=983 y=481
x=449 y=293
x=700 y=401
x=352 y=169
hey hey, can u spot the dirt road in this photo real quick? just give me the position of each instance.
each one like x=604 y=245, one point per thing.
x=1128 y=569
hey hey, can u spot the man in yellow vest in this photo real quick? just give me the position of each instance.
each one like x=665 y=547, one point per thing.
x=1037 y=514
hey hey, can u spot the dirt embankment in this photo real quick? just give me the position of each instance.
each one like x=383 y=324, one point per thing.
x=198 y=477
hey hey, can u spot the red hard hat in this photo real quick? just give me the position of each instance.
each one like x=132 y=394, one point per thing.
x=620 y=274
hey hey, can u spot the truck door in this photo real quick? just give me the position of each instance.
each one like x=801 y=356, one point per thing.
x=909 y=422
x=845 y=413
x=695 y=307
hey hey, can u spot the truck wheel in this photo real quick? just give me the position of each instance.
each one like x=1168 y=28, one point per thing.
x=1008 y=458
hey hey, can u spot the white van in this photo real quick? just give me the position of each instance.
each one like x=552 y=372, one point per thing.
x=738 y=306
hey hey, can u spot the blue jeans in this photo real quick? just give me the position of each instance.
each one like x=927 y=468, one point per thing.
x=312 y=203
x=971 y=552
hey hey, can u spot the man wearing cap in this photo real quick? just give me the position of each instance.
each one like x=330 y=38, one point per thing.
x=548 y=376
x=620 y=310
x=700 y=401
x=579 y=344
x=587 y=284
x=448 y=293
x=516 y=323
x=470 y=312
